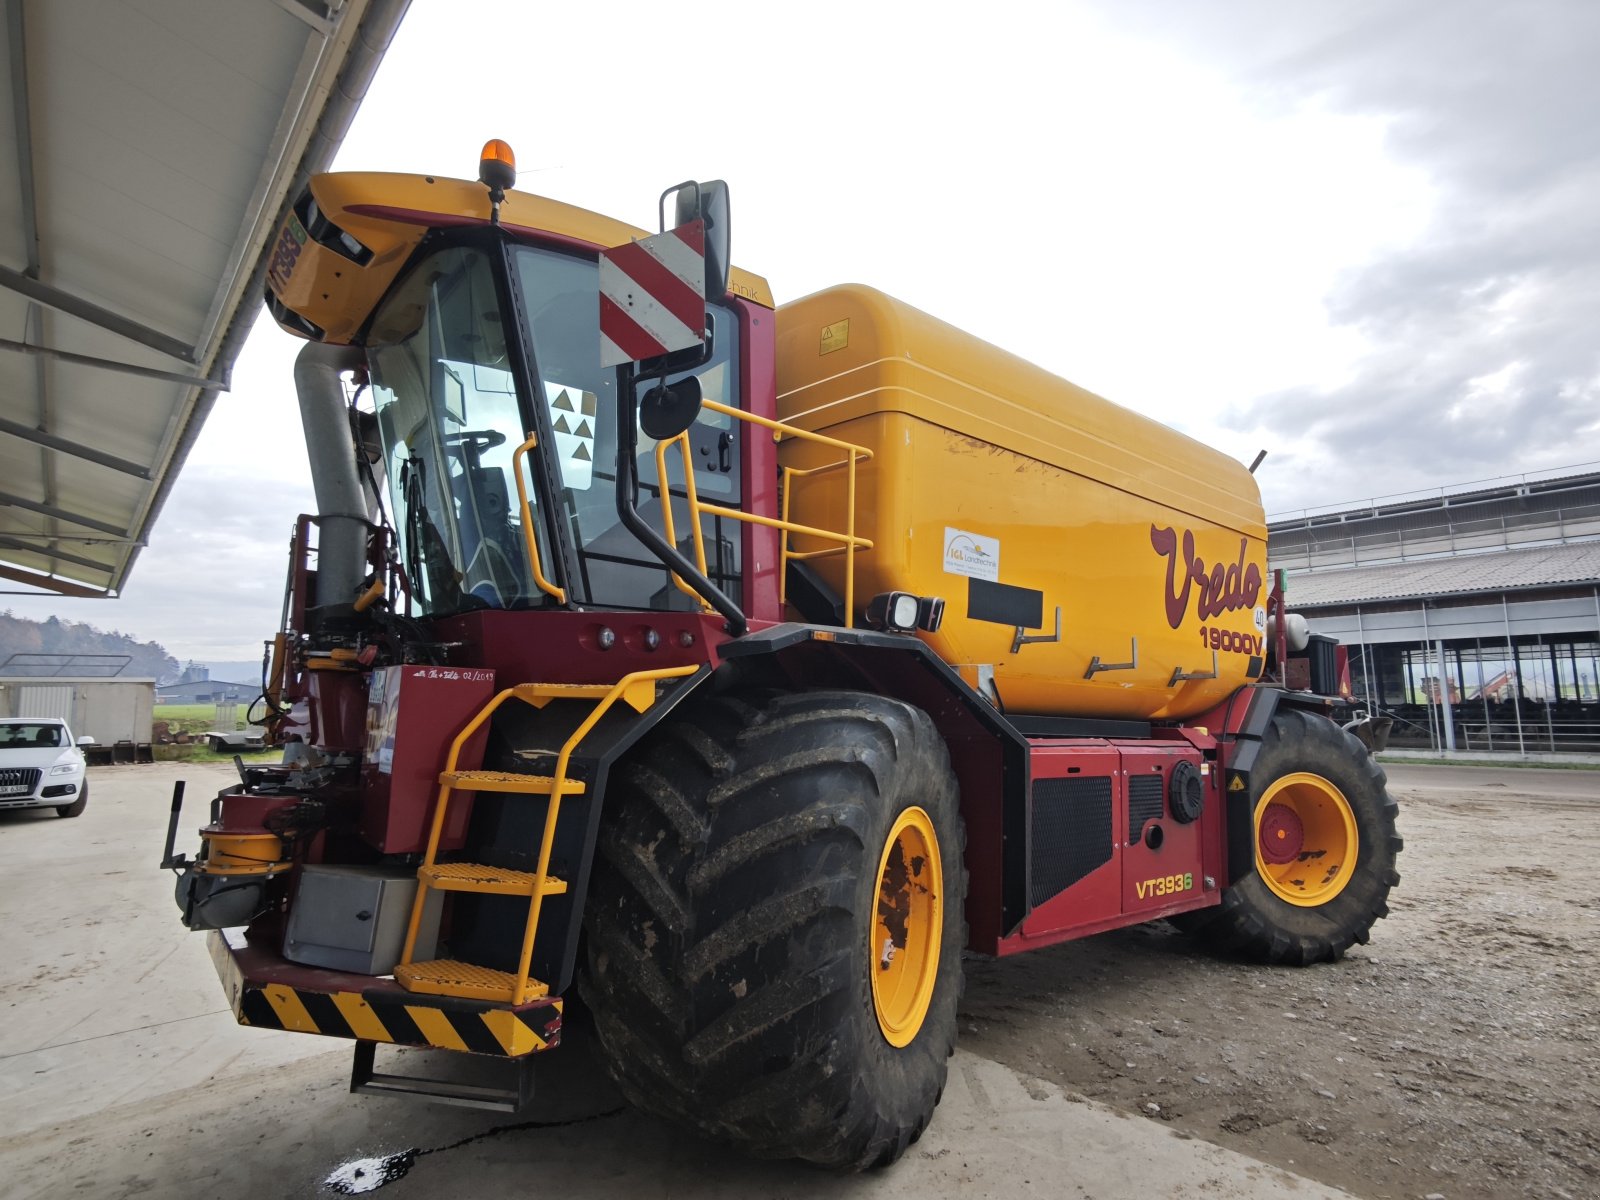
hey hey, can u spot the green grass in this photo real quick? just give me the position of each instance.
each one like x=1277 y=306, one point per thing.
x=195 y=718
x=185 y=712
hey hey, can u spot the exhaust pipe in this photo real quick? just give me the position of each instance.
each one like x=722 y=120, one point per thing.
x=341 y=502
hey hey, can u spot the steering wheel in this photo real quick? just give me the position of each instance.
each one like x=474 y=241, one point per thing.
x=476 y=440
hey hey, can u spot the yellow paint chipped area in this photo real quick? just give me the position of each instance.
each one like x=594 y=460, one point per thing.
x=290 y=1011
x=514 y=1037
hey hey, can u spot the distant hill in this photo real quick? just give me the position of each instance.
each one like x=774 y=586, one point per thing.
x=18 y=635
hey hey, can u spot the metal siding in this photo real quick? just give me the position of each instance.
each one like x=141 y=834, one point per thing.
x=46 y=700
x=1488 y=621
x=115 y=712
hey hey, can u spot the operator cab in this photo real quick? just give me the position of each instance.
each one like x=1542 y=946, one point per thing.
x=484 y=338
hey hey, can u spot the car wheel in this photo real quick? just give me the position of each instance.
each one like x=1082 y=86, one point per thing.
x=78 y=805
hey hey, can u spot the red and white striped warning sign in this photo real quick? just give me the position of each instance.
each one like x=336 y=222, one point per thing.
x=653 y=295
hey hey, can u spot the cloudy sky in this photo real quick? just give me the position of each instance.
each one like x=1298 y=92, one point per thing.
x=1364 y=236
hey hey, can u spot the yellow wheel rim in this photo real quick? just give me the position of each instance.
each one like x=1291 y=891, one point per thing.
x=903 y=953
x=1306 y=840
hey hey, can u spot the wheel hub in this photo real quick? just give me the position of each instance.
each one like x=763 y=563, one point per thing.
x=907 y=928
x=1282 y=834
x=1306 y=839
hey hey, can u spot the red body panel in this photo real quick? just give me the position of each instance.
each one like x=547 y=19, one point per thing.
x=564 y=647
x=1137 y=881
x=1148 y=873
x=412 y=716
x=336 y=707
x=758 y=382
x=1097 y=897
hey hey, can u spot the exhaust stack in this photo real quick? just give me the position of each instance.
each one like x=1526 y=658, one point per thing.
x=341 y=502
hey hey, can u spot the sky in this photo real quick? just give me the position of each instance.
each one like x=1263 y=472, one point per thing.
x=1361 y=235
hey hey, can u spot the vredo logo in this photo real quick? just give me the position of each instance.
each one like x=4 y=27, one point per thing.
x=1222 y=588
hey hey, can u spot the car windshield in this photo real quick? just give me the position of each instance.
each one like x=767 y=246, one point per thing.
x=32 y=734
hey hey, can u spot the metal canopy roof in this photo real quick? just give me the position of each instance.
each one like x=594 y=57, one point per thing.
x=1465 y=574
x=147 y=150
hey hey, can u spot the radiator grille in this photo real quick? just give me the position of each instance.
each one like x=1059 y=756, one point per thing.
x=1144 y=802
x=19 y=777
x=1069 y=833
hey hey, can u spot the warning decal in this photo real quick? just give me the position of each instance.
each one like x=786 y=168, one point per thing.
x=572 y=417
x=653 y=295
x=971 y=554
x=835 y=337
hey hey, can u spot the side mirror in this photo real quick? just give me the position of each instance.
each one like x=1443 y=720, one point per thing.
x=86 y=741
x=708 y=201
x=669 y=409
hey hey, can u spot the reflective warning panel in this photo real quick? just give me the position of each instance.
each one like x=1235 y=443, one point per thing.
x=572 y=418
x=653 y=295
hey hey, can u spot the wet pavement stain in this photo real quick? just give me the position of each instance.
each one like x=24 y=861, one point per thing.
x=362 y=1175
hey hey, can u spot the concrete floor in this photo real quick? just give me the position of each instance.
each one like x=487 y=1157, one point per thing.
x=122 y=1073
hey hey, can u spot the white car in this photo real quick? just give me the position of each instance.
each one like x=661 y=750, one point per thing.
x=42 y=766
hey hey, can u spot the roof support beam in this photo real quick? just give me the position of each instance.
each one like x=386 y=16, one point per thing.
x=61 y=514
x=76 y=449
x=80 y=539
x=24 y=131
x=313 y=12
x=109 y=364
x=104 y=568
x=49 y=584
x=84 y=310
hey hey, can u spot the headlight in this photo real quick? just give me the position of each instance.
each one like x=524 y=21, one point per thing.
x=66 y=768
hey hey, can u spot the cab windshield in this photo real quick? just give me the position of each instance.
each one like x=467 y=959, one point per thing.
x=450 y=413
x=448 y=420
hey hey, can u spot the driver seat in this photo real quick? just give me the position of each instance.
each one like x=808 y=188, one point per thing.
x=489 y=541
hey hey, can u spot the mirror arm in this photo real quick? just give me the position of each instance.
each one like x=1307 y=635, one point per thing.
x=628 y=512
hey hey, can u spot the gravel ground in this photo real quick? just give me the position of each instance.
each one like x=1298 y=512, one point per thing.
x=1452 y=1057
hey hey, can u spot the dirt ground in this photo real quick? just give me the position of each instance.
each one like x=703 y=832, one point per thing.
x=1454 y=1056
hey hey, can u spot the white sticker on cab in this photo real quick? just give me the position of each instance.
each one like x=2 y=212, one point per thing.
x=971 y=554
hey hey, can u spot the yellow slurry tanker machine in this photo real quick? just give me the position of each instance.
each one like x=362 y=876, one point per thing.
x=735 y=668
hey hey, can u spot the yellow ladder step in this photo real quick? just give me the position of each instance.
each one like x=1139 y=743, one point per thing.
x=476 y=877
x=446 y=977
x=638 y=695
x=566 y=691
x=509 y=781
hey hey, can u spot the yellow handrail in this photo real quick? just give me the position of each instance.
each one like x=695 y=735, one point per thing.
x=545 y=586
x=682 y=442
x=849 y=542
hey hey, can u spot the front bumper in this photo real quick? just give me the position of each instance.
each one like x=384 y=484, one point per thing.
x=269 y=992
x=64 y=790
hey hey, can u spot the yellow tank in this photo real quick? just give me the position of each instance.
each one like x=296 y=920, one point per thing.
x=1012 y=494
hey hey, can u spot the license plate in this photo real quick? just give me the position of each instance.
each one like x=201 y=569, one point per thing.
x=15 y=789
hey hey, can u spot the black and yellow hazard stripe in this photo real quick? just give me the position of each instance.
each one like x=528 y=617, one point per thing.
x=377 y=1014
x=375 y=1018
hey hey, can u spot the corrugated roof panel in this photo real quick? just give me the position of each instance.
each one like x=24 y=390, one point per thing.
x=1538 y=566
x=162 y=137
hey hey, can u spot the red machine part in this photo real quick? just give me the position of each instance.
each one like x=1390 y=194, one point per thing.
x=411 y=715
x=1105 y=848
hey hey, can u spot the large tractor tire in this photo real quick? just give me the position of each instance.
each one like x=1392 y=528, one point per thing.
x=1325 y=849
x=775 y=924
